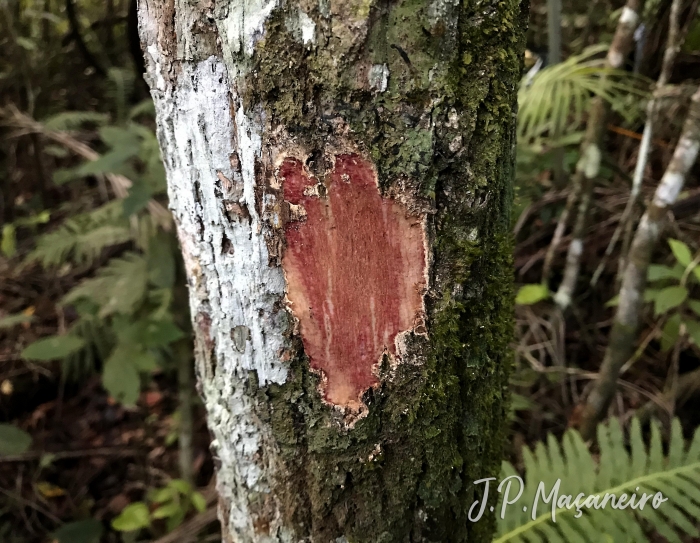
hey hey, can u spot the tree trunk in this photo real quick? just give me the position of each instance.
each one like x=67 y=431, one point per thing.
x=340 y=173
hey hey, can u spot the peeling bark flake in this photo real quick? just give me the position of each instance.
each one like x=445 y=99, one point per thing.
x=355 y=271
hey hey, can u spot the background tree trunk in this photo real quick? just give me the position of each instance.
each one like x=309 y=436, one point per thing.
x=340 y=172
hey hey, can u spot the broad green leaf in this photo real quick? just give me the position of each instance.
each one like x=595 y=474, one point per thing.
x=693 y=329
x=53 y=348
x=198 y=501
x=134 y=517
x=80 y=531
x=160 y=333
x=13 y=440
x=167 y=510
x=14 y=320
x=8 y=243
x=650 y=294
x=670 y=331
x=183 y=487
x=148 y=333
x=138 y=198
x=681 y=251
x=531 y=294
x=694 y=306
x=161 y=262
x=656 y=272
x=120 y=377
x=133 y=354
x=614 y=301
x=161 y=495
x=669 y=298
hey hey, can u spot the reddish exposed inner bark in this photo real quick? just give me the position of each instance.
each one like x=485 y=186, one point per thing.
x=355 y=273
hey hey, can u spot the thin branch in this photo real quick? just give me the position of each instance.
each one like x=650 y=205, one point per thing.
x=688 y=384
x=624 y=330
x=673 y=46
x=64 y=455
x=188 y=530
x=79 y=41
x=588 y=168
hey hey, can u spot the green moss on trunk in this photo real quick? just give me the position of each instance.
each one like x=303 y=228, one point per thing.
x=446 y=122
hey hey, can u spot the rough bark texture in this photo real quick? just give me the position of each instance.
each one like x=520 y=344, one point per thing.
x=340 y=174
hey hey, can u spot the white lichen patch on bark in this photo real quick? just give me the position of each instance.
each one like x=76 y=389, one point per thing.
x=210 y=145
x=234 y=290
x=302 y=27
x=379 y=77
x=672 y=182
x=241 y=24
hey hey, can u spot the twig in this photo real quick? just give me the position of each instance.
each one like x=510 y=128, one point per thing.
x=624 y=330
x=79 y=41
x=62 y=455
x=673 y=46
x=31 y=504
x=590 y=375
x=589 y=165
x=687 y=385
x=554 y=57
x=189 y=529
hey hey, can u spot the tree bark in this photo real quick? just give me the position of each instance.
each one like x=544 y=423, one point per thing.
x=340 y=173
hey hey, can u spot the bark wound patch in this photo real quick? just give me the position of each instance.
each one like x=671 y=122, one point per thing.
x=355 y=269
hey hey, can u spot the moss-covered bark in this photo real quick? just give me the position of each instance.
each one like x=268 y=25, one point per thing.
x=427 y=91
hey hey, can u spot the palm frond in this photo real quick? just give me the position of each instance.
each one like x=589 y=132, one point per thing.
x=632 y=470
x=554 y=100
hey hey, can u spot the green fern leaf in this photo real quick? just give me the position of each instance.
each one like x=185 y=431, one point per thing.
x=119 y=286
x=71 y=120
x=642 y=470
x=83 y=237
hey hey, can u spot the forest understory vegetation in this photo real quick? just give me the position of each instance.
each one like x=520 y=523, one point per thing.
x=102 y=435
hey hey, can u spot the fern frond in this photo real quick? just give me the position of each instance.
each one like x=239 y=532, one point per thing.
x=555 y=99
x=642 y=470
x=118 y=287
x=70 y=120
x=144 y=107
x=83 y=237
x=122 y=82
